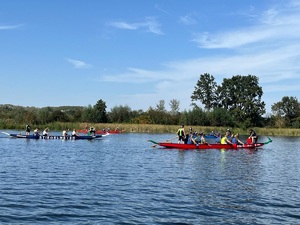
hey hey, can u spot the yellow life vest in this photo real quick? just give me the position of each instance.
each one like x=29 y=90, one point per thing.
x=223 y=140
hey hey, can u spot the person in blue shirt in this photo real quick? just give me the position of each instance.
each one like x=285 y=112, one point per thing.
x=235 y=140
x=190 y=139
x=219 y=136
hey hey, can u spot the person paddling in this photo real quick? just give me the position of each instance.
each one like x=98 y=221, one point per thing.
x=253 y=136
x=236 y=140
x=226 y=138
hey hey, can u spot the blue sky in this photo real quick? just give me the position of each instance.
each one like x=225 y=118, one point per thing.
x=136 y=53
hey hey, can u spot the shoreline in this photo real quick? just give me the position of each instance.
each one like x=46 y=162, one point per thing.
x=160 y=129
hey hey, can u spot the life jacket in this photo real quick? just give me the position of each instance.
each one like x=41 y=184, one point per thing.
x=180 y=132
x=223 y=140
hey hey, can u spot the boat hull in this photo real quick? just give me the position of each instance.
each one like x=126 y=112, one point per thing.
x=198 y=146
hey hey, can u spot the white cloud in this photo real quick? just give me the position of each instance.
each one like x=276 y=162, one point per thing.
x=187 y=20
x=150 y=24
x=123 y=25
x=9 y=27
x=78 y=64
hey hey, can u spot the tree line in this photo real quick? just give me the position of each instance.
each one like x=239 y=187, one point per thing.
x=237 y=102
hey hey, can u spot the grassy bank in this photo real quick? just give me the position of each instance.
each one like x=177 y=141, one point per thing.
x=150 y=128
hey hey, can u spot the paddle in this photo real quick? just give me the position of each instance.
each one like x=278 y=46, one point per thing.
x=6 y=133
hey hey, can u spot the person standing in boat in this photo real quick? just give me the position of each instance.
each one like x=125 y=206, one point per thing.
x=27 y=129
x=181 y=134
x=253 y=137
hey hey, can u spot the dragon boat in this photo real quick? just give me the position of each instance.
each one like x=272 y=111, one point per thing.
x=69 y=137
x=170 y=145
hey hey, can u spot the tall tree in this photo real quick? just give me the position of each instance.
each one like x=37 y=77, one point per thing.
x=241 y=95
x=120 y=114
x=160 y=106
x=174 y=105
x=288 y=108
x=206 y=91
x=100 y=112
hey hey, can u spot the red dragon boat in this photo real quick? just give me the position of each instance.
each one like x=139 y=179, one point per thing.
x=171 y=145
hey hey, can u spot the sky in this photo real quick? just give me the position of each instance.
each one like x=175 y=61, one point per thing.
x=135 y=53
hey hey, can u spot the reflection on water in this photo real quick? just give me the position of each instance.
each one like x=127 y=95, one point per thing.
x=122 y=179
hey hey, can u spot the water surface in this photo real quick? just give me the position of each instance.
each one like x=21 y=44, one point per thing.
x=121 y=179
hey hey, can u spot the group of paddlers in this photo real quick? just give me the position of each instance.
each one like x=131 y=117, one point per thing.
x=46 y=131
x=194 y=137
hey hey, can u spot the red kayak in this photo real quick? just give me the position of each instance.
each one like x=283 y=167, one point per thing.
x=171 y=145
x=103 y=132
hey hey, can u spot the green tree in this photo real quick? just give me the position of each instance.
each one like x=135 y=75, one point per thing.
x=120 y=114
x=288 y=109
x=160 y=106
x=241 y=96
x=206 y=91
x=220 y=117
x=45 y=115
x=196 y=116
x=88 y=114
x=100 y=112
x=60 y=116
x=174 y=105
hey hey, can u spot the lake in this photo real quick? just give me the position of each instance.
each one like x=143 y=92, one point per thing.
x=122 y=179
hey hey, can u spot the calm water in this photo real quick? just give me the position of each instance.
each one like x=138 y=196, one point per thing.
x=121 y=179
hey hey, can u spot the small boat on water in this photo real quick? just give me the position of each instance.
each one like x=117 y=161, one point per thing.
x=170 y=145
x=70 y=137
x=102 y=131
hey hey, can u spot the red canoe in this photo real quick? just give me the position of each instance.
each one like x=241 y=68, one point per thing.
x=171 y=145
x=103 y=132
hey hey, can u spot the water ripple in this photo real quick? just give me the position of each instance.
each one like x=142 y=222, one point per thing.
x=122 y=180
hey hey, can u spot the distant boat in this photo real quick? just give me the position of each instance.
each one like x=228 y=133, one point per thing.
x=69 y=137
x=102 y=131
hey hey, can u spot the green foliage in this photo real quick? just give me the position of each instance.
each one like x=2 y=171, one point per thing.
x=120 y=114
x=239 y=95
x=196 y=116
x=174 y=104
x=288 y=109
x=220 y=117
x=206 y=91
x=99 y=111
x=236 y=103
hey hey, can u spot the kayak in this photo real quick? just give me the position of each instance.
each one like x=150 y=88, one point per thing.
x=170 y=145
x=102 y=132
x=83 y=137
